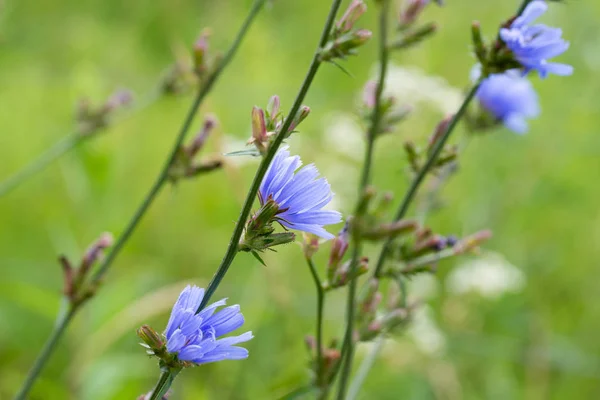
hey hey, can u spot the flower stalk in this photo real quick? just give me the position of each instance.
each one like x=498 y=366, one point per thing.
x=162 y=178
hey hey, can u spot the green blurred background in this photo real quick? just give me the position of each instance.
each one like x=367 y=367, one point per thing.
x=534 y=340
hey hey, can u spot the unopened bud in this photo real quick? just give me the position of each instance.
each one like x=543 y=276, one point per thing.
x=201 y=53
x=352 y=14
x=339 y=245
x=95 y=251
x=203 y=167
x=121 y=98
x=439 y=132
x=391 y=230
x=395 y=318
x=342 y=275
x=310 y=342
x=410 y=12
x=300 y=116
x=413 y=37
x=479 y=47
x=472 y=242
x=154 y=341
x=310 y=245
x=370 y=298
x=259 y=128
x=273 y=107
x=200 y=139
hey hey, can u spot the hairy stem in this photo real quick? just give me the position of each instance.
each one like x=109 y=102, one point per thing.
x=348 y=345
x=62 y=321
x=266 y=161
x=154 y=190
x=319 y=329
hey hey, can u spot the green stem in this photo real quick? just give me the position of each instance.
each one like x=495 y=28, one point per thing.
x=416 y=183
x=364 y=369
x=62 y=321
x=319 y=330
x=154 y=190
x=266 y=161
x=61 y=147
x=167 y=377
x=348 y=345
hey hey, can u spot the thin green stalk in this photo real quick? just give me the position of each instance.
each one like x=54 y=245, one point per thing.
x=61 y=147
x=416 y=183
x=62 y=321
x=232 y=249
x=364 y=369
x=348 y=345
x=167 y=376
x=319 y=329
x=155 y=189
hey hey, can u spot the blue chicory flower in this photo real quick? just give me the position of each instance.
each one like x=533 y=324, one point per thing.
x=299 y=195
x=533 y=45
x=193 y=337
x=510 y=98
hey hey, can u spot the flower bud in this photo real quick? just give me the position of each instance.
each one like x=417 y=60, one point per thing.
x=412 y=37
x=341 y=276
x=439 y=131
x=200 y=139
x=259 y=129
x=355 y=10
x=472 y=242
x=155 y=342
x=369 y=94
x=339 y=245
x=95 y=251
x=310 y=245
x=410 y=12
x=273 y=108
x=300 y=116
x=395 y=318
x=201 y=53
x=390 y=230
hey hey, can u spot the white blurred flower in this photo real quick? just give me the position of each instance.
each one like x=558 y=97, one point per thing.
x=490 y=275
x=344 y=135
x=425 y=333
x=411 y=86
x=424 y=286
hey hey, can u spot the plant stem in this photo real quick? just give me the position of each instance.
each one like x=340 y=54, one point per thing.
x=266 y=161
x=364 y=369
x=412 y=190
x=348 y=345
x=154 y=190
x=167 y=376
x=61 y=147
x=319 y=329
x=62 y=321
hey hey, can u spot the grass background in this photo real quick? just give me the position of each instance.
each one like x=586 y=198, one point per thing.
x=538 y=193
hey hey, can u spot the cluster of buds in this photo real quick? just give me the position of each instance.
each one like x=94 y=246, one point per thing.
x=495 y=57
x=90 y=119
x=339 y=273
x=185 y=165
x=77 y=287
x=186 y=73
x=390 y=113
x=344 y=38
x=409 y=32
x=331 y=357
x=422 y=251
x=266 y=123
x=417 y=156
x=260 y=234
